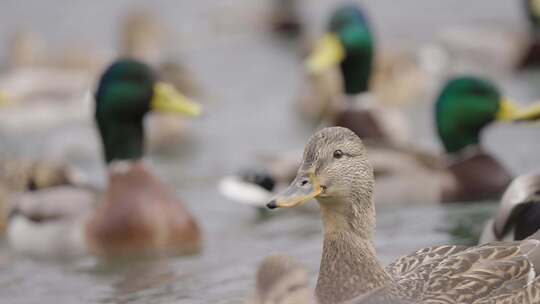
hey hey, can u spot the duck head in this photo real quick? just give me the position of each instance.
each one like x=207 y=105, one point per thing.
x=335 y=170
x=465 y=106
x=128 y=90
x=348 y=43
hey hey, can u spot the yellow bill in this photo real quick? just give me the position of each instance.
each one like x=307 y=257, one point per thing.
x=328 y=53
x=530 y=113
x=509 y=111
x=302 y=189
x=167 y=99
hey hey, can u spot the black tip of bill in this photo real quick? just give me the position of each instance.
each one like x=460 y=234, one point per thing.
x=272 y=204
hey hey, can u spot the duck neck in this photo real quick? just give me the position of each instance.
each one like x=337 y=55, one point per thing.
x=122 y=141
x=356 y=71
x=349 y=265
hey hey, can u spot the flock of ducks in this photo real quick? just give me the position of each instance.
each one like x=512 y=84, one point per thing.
x=360 y=158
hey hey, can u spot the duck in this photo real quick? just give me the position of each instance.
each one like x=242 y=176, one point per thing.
x=137 y=213
x=336 y=172
x=347 y=86
x=282 y=279
x=465 y=172
x=22 y=174
x=518 y=215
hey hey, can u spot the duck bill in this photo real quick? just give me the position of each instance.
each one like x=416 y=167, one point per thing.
x=509 y=111
x=302 y=189
x=530 y=113
x=328 y=53
x=168 y=100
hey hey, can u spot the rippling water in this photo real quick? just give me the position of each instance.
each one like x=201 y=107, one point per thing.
x=249 y=80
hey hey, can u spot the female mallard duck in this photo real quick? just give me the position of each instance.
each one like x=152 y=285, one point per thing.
x=19 y=175
x=466 y=172
x=337 y=173
x=137 y=213
x=282 y=279
x=518 y=216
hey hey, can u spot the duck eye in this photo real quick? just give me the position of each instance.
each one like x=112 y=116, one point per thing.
x=338 y=154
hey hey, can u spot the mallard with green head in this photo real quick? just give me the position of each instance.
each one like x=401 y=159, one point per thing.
x=138 y=213
x=518 y=215
x=465 y=172
x=336 y=171
x=349 y=46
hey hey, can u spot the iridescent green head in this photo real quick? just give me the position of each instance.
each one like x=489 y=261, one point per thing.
x=128 y=90
x=350 y=44
x=465 y=106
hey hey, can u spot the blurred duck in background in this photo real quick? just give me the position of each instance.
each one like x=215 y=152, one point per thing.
x=518 y=215
x=20 y=175
x=349 y=86
x=37 y=85
x=36 y=89
x=282 y=279
x=466 y=172
x=137 y=214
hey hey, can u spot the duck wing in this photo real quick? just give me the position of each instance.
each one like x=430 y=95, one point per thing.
x=451 y=274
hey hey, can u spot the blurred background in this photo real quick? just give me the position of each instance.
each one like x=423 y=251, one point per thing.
x=248 y=80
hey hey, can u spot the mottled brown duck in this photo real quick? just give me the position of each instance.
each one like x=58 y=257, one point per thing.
x=337 y=173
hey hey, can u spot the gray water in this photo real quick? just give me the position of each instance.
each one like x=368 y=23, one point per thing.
x=249 y=80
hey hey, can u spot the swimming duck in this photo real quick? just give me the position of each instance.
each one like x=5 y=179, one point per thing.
x=335 y=171
x=518 y=215
x=341 y=73
x=467 y=172
x=19 y=175
x=137 y=214
x=282 y=279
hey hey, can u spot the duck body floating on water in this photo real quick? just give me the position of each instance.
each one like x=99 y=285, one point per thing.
x=137 y=213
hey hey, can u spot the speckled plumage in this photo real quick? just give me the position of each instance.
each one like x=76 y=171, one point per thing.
x=491 y=273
